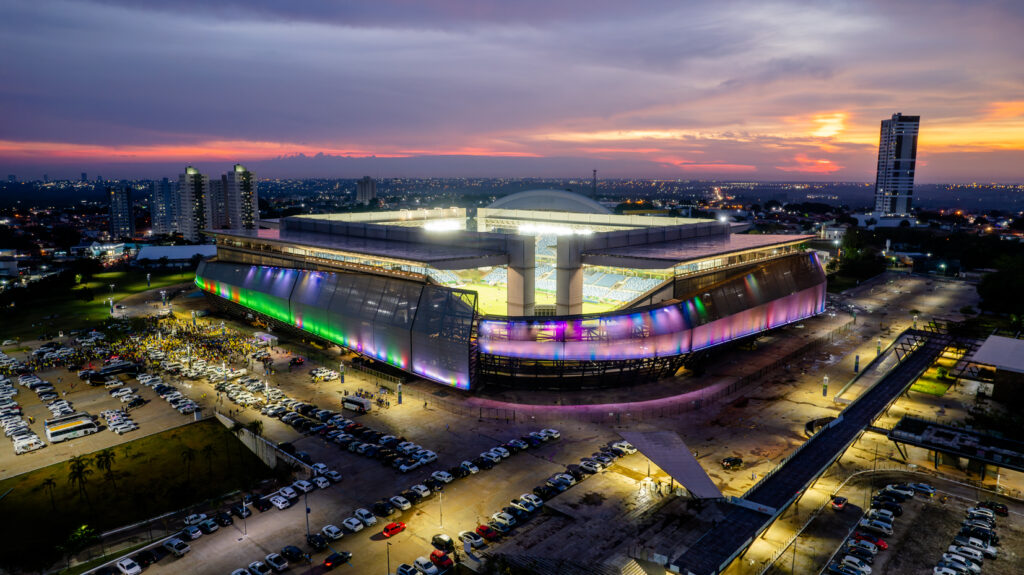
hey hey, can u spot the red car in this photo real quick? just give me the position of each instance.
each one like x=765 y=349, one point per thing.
x=441 y=559
x=394 y=528
x=487 y=532
x=877 y=541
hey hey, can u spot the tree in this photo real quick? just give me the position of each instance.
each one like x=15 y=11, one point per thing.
x=163 y=262
x=256 y=427
x=50 y=484
x=78 y=474
x=208 y=452
x=111 y=477
x=188 y=455
x=105 y=459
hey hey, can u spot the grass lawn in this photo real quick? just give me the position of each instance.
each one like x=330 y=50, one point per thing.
x=27 y=322
x=148 y=477
x=932 y=384
x=838 y=283
x=492 y=300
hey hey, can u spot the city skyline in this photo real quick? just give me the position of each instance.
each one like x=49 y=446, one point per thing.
x=785 y=91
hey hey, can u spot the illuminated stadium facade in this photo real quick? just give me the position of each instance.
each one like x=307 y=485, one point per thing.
x=543 y=289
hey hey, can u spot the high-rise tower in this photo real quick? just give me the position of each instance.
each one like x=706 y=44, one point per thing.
x=897 y=161
x=241 y=199
x=122 y=218
x=194 y=211
x=163 y=207
x=366 y=190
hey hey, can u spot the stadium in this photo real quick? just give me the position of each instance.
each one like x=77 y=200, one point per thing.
x=542 y=289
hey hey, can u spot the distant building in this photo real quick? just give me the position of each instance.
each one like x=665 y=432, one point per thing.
x=241 y=199
x=163 y=206
x=217 y=202
x=122 y=216
x=11 y=179
x=897 y=159
x=366 y=190
x=194 y=213
x=154 y=255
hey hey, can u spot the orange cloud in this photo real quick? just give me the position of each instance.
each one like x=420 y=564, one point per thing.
x=226 y=150
x=691 y=166
x=807 y=165
x=829 y=125
x=1005 y=110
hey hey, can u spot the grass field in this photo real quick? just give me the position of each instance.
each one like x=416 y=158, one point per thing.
x=492 y=300
x=27 y=322
x=148 y=477
x=932 y=382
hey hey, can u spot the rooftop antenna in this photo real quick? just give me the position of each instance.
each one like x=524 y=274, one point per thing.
x=593 y=185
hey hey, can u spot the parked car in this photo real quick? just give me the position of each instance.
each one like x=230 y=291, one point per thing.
x=335 y=559
x=316 y=541
x=276 y=562
x=332 y=532
x=999 y=509
x=729 y=463
x=393 y=528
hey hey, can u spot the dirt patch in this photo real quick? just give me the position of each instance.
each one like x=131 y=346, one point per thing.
x=592 y=498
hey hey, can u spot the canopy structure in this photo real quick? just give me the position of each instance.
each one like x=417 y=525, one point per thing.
x=667 y=450
x=1000 y=352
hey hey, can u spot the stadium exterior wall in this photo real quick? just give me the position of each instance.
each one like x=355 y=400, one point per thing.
x=434 y=331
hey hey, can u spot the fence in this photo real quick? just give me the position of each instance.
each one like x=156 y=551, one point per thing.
x=616 y=413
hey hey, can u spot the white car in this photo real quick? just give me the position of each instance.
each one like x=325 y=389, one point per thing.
x=504 y=518
x=902 y=490
x=625 y=446
x=195 y=519
x=352 y=524
x=128 y=567
x=332 y=532
x=427 y=457
x=468 y=466
x=472 y=538
x=280 y=502
x=333 y=475
x=552 y=433
x=493 y=457
x=321 y=482
x=536 y=501
x=366 y=517
x=401 y=502
x=288 y=492
x=504 y=453
x=590 y=466
x=319 y=468
x=423 y=565
x=303 y=486
x=422 y=490
x=442 y=476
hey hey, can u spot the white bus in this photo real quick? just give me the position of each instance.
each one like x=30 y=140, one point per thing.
x=69 y=427
x=356 y=403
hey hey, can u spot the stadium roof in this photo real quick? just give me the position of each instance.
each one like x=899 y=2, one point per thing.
x=551 y=201
x=439 y=256
x=1005 y=353
x=175 y=253
x=660 y=255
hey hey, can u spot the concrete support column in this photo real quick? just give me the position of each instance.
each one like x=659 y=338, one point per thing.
x=569 y=276
x=521 y=286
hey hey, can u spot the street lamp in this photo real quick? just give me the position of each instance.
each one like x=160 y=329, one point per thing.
x=112 y=288
x=388 y=550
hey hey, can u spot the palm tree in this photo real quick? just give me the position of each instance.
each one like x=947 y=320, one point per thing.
x=188 y=455
x=50 y=484
x=105 y=459
x=208 y=451
x=127 y=448
x=79 y=475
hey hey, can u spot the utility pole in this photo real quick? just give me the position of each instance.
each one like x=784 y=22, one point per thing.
x=305 y=502
x=388 y=549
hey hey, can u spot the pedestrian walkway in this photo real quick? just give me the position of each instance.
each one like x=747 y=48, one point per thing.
x=726 y=540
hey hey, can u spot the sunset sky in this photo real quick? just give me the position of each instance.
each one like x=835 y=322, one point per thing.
x=758 y=90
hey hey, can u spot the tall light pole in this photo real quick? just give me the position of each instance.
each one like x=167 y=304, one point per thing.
x=440 y=508
x=388 y=549
x=305 y=502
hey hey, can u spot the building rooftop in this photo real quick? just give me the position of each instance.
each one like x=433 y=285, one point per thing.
x=1005 y=353
x=667 y=254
